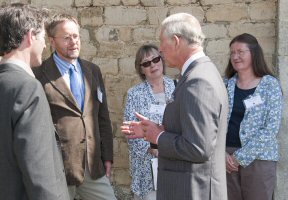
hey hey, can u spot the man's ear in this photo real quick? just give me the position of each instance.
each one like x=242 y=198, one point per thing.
x=29 y=37
x=176 y=40
x=51 y=41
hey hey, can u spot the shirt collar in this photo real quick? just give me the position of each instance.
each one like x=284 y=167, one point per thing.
x=20 y=64
x=194 y=57
x=64 y=64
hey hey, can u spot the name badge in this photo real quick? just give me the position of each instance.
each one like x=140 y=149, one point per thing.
x=99 y=94
x=253 y=101
x=157 y=109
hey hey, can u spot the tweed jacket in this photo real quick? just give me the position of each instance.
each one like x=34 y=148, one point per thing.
x=261 y=123
x=139 y=99
x=85 y=136
x=30 y=162
x=192 y=147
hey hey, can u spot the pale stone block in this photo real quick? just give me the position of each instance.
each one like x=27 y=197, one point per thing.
x=121 y=159
x=265 y=10
x=88 y=49
x=157 y=15
x=258 y=29
x=52 y=3
x=130 y=49
x=215 y=2
x=127 y=66
x=84 y=35
x=91 y=16
x=196 y=11
x=223 y=13
x=220 y=60
x=150 y=3
x=212 y=30
x=124 y=16
x=82 y=3
x=125 y=34
x=220 y=46
x=107 y=34
x=282 y=11
x=122 y=176
x=107 y=65
x=130 y=2
x=6 y=2
x=283 y=37
x=113 y=33
x=106 y=2
x=112 y=49
x=268 y=44
x=179 y=2
x=144 y=34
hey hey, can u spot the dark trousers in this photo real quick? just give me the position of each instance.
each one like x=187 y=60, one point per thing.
x=254 y=182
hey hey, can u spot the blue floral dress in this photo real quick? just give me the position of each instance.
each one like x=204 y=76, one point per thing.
x=139 y=99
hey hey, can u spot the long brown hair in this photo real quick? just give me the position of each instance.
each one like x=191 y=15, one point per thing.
x=259 y=65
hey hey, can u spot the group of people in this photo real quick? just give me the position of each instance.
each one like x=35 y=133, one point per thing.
x=211 y=136
x=214 y=133
x=59 y=124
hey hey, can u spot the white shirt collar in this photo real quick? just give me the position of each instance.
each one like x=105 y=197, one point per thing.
x=19 y=63
x=194 y=57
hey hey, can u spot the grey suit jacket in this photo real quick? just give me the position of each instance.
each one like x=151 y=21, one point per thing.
x=30 y=163
x=192 y=148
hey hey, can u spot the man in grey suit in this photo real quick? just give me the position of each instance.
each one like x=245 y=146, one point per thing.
x=30 y=164
x=191 y=141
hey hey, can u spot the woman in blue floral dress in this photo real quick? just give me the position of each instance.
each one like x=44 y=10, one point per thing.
x=149 y=99
x=255 y=104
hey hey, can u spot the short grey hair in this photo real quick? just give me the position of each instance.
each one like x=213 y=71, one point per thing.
x=183 y=25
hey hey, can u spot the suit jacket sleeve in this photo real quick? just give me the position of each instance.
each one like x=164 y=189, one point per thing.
x=200 y=109
x=34 y=145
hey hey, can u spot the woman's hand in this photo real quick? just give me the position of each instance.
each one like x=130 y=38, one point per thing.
x=231 y=163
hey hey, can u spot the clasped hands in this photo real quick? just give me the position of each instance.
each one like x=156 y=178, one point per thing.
x=144 y=128
x=231 y=163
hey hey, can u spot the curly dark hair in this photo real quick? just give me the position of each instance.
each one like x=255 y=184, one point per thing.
x=16 y=20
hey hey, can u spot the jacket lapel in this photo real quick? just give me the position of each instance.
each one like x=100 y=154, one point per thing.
x=57 y=81
x=87 y=78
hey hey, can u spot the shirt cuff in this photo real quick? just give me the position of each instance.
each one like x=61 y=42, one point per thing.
x=159 y=136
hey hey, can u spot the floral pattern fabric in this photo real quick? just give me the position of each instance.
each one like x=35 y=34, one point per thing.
x=139 y=99
x=261 y=123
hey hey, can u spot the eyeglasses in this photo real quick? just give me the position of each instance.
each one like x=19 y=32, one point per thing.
x=240 y=53
x=68 y=38
x=148 y=63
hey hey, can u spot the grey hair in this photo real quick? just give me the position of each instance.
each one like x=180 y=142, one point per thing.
x=183 y=25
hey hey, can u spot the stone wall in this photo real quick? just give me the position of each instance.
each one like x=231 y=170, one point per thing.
x=112 y=31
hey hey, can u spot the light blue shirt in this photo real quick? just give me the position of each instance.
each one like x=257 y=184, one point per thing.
x=64 y=68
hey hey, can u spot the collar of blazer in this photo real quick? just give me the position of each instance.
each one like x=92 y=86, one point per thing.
x=189 y=70
x=55 y=78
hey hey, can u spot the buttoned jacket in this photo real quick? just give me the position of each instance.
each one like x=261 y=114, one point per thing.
x=85 y=136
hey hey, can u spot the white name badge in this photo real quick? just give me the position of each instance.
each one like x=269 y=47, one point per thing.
x=157 y=109
x=99 y=94
x=253 y=101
